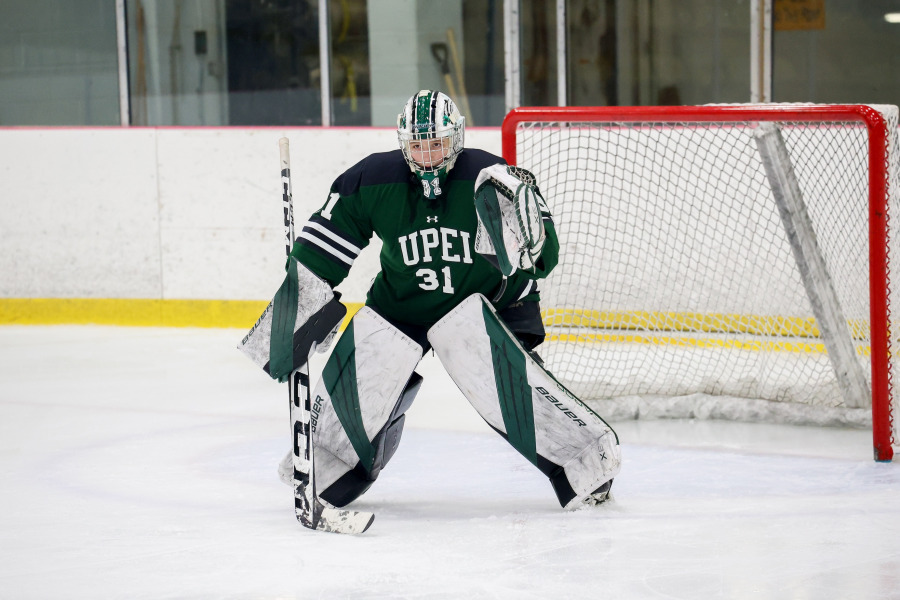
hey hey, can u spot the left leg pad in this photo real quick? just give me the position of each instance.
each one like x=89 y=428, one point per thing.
x=517 y=397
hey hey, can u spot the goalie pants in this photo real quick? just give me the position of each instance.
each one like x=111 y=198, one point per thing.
x=369 y=382
x=522 y=318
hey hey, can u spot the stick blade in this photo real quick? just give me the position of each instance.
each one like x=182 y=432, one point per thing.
x=336 y=520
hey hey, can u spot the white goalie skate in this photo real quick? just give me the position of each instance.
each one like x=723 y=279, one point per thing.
x=286 y=469
x=600 y=495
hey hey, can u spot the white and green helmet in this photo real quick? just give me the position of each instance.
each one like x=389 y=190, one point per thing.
x=431 y=115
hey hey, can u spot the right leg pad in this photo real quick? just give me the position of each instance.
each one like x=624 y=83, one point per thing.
x=367 y=384
x=355 y=482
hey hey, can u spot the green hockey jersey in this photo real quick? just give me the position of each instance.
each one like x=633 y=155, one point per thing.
x=428 y=261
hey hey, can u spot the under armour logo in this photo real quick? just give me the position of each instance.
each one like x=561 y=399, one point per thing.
x=431 y=219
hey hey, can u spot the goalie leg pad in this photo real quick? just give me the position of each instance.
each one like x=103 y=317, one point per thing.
x=548 y=425
x=357 y=409
x=355 y=482
x=387 y=441
x=302 y=315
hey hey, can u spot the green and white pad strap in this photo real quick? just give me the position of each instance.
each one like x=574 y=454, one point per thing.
x=510 y=209
x=545 y=422
x=303 y=315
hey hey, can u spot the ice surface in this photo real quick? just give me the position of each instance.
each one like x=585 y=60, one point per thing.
x=141 y=463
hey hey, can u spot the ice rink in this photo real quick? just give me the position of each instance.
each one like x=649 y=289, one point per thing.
x=141 y=463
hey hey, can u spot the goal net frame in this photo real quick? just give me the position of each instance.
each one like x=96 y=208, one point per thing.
x=880 y=177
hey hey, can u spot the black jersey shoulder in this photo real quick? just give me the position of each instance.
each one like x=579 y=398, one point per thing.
x=380 y=168
x=472 y=160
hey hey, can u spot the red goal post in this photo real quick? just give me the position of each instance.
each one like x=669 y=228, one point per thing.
x=601 y=162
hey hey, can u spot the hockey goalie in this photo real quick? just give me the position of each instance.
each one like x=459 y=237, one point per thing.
x=466 y=239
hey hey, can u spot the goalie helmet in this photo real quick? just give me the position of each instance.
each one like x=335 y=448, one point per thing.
x=430 y=131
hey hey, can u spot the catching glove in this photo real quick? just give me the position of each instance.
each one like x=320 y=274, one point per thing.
x=510 y=232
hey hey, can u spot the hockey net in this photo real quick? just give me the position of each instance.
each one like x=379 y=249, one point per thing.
x=720 y=261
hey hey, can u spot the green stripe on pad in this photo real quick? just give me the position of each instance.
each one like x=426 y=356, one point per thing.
x=284 y=317
x=513 y=390
x=339 y=376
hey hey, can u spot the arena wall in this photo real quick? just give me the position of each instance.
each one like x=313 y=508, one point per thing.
x=157 y=226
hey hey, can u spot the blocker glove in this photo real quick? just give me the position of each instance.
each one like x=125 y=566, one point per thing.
x=304 y=315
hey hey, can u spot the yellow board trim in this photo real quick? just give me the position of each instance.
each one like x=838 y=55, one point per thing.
x=663 y=329
x=803 y=327
x=135 y=312
x=630 y=327
x=683 y=342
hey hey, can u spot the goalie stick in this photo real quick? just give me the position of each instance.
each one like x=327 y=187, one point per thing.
x=310 y=511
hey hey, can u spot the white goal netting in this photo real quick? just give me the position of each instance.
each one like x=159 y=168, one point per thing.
x=685 y=286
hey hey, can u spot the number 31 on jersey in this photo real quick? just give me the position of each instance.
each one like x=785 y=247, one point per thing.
x=430 y=280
